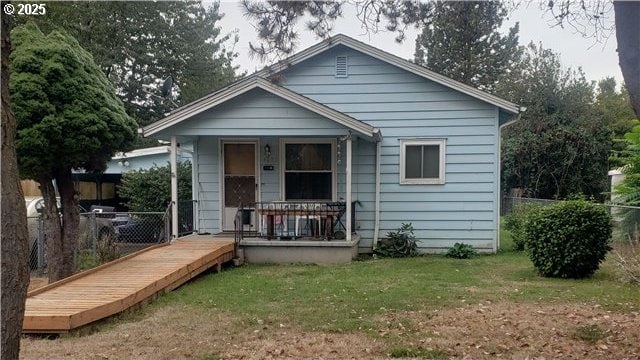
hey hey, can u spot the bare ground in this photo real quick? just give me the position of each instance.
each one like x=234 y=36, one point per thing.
x=474 y=331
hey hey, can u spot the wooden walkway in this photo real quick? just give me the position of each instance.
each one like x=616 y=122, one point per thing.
x=116 y=286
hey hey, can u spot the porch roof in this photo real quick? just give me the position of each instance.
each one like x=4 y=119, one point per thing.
x=252 y=82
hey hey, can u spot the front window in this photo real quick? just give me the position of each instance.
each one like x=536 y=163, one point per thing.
x=422 y=161
x=308 y=171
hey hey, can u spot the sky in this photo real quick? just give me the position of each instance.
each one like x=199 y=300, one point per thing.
x=597 y=60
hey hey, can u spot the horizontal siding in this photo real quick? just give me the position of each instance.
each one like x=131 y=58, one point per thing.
x=258 y=113
x=404 y=105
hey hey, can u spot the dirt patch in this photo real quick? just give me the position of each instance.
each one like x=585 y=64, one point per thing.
x=475 y=331
x=174 y=332
x=520 y=331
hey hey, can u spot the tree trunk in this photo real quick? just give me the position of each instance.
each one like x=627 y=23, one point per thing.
x=628 y=36
x=70 y=220
x=15 y=266
x=52 y=230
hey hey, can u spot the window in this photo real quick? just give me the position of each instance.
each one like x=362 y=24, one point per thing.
x=422 y=161
x=308 y=170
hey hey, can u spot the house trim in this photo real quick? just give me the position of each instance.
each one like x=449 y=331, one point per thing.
x=341 y=39
x=250 y=83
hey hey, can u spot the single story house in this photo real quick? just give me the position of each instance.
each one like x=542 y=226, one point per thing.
x=343 y=130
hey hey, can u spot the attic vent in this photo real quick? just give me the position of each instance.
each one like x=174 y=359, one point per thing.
x=341 y=66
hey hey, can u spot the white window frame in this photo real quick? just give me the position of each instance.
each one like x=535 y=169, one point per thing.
x=419 y=142
x=334 y=168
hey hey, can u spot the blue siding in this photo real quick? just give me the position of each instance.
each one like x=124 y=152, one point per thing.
x=257 y=113
x=208 y=185
x=404 y=105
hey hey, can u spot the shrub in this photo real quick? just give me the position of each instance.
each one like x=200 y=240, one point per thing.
x=461 y=251
x=515 y=220
x=401 y=243
x=568 y=239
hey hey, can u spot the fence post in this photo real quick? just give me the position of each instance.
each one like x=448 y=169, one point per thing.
x=94 y=232
x=40 y=243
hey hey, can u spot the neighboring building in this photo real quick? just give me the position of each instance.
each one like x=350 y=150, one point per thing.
x=101 y=188
x=346 y=122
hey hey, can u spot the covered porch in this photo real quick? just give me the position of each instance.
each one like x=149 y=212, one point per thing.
x=276 y=170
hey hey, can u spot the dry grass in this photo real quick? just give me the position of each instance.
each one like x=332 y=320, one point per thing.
x=474 y=331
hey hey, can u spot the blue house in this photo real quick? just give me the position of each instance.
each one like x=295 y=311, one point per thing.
x=344 y=142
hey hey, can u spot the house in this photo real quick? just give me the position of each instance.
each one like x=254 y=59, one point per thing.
x=344 y=123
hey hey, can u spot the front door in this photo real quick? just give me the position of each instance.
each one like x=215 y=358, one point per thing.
x=240 y=184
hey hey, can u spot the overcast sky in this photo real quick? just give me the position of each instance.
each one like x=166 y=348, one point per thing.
x=597 y=60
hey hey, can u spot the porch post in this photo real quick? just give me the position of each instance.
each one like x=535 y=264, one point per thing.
x=348 y=197
x=174 y=188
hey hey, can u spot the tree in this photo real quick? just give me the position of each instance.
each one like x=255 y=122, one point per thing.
x=275 y=23
x=15 y=266
x=150 y=189
x=68 y=118
x=559 y=147
x=613 y=110
x=138 y=44
x=462 y=42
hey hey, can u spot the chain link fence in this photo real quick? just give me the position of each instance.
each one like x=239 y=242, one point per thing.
x=626 y=219
x=106 y=235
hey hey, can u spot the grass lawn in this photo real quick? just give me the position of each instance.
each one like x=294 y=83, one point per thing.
x=427 y=307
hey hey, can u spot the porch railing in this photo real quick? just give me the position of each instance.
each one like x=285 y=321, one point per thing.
x=291 y=220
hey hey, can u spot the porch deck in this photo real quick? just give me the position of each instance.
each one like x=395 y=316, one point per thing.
x=118 y=285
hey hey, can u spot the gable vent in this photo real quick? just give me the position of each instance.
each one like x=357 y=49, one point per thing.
x=341 y=66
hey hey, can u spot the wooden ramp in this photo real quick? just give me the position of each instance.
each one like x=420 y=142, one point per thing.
x=116 y=286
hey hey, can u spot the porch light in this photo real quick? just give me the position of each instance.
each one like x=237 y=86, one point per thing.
x=123 y=163
x=267 y=153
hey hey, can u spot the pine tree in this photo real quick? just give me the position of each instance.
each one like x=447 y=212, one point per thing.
x=461 y=40
x=68 y=117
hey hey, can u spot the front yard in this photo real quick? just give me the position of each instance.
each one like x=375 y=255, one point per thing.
x=427 y=307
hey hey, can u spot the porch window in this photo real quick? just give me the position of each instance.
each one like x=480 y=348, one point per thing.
x=422 y=161
x=308 y=171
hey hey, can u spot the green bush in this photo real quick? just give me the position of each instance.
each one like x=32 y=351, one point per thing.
x=568 y=239
x=400 y=243
x=515 y=220
x=461 y=251
x=150 y=189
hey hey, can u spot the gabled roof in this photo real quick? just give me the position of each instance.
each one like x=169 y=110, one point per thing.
x=257 y=82
x=341 y=39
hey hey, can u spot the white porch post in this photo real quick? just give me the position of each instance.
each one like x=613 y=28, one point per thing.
x=348 y=197
x=174 y=188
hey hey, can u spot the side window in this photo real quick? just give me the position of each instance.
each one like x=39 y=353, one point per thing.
x=422 y=161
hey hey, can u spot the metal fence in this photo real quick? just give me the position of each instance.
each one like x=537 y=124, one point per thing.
x=102 y=237
x=625 y=219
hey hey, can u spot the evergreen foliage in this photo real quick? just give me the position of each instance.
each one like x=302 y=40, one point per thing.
x=559 y=147
x=613 y=109
x=138 y=44
x=462 y=41
x=150 y=189
x=568 y=239
x=67 y=111
x=68 y=117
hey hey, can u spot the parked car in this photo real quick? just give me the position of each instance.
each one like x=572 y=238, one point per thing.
x=140 y=229
x=35 y=204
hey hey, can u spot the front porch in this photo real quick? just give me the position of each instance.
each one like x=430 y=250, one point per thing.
x=261 y=251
